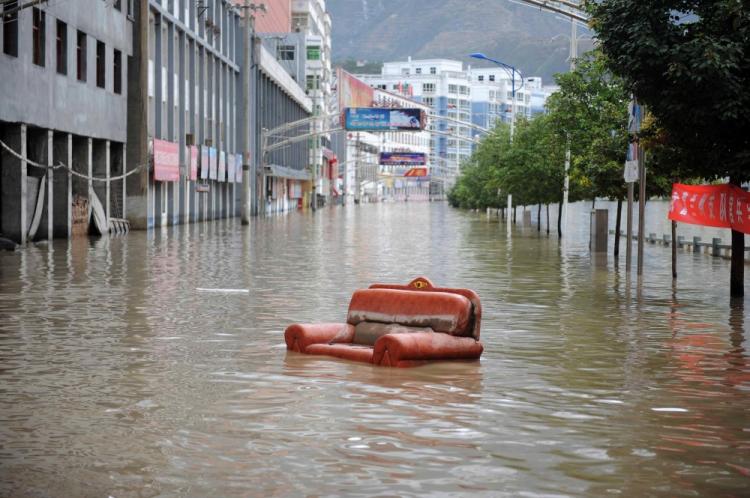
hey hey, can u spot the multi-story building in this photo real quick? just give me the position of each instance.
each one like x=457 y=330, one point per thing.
x=183 y=112
x=462 y=101
x=395 y=184
x=63 y=101
x=445 y=87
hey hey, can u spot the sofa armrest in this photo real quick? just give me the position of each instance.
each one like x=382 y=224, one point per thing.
x=299 y=336
x=410 y=349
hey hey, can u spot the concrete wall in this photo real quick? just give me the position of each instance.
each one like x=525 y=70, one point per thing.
x=277 y=19
x=41 y=97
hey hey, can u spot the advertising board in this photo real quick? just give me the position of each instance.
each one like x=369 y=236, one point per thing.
x=403 y=158
x=379 y=119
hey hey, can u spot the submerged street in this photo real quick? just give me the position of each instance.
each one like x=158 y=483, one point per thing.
x=121 y=376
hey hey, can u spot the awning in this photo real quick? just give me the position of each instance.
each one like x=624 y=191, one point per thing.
x=288 y=173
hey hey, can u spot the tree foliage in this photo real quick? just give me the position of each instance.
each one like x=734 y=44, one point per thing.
x=689 y=62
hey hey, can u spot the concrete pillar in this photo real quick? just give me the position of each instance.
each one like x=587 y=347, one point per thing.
x=13 y=173
x=50 y=185
x=108 y=193
x=599 y=230
x=90 y=166
x=62 y=185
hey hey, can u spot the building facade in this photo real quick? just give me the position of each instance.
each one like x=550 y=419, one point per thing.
x=183 y=112
x=63 y=102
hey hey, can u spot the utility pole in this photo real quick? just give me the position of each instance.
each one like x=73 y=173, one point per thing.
x=249 y=27
x=356 y=171
x=566 y=183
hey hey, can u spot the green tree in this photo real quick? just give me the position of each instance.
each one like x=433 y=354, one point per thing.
x=688 y=61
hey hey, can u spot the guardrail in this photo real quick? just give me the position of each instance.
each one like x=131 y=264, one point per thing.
x=714 y=248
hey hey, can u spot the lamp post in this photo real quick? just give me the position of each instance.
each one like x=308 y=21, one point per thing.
x=513 y=72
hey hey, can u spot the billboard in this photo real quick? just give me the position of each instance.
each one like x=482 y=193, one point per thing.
x=416 y=172
x=403 y=158
x=353 y=92
x=166 y=161
x=378 y=119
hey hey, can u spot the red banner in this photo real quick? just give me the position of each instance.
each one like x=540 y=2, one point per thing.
x=166 y=161
x=721 y=206
x=193 y=155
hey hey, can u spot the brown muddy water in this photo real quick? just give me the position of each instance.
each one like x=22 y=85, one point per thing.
x=118 y=377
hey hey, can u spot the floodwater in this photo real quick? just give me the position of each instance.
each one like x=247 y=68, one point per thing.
x=119 y=378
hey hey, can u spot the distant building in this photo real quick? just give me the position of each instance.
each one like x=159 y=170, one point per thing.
x=467 y=98
x=63 y=100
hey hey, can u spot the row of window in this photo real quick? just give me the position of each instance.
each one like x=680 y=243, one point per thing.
x=39 y=44
x=406 y=71
x=288 y=52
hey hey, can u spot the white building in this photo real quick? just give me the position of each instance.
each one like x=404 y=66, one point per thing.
x=468 y=98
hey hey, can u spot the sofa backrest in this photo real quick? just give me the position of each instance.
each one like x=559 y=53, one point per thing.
x=422 y=284
x=449 y=313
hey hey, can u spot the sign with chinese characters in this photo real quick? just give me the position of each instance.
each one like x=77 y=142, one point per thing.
x=222 y=166
x=204 y=162
x=193 y=157
x=213 y=164
x=231 y=164
x=721 y=206
x=166 y=161
x=378 y=119
x=403 y=158
x=238 y=169
x=416 y=172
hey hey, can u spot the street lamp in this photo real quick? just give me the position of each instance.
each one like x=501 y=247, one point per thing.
x=513 y=72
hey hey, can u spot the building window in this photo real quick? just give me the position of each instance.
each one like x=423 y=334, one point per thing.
x=117 y=4
x=433 y=70
x=313 y=53
x=38 y=31
x=81 y=55
x=481 y=77
x=10 y=31
x=492 y=77
x=313 y=82
x=100 y=66
x=419 y=70
x=452 y=88
x=62 y=47
x=428 y=87
x=117 y=67
x=285 y=52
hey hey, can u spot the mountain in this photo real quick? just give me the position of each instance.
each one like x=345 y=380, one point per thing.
x=536 y=42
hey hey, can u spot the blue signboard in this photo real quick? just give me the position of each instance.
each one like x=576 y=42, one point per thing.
x=403 y=158
x=376 y=119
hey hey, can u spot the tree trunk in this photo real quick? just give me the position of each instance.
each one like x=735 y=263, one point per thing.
x=539 y=218
x=617 y=227
x=514 y=214
x=547 y=219
x=737 y=277
x=593 y=203
x=559 y=219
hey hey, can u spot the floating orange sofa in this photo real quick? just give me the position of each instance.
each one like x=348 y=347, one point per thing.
x=398 y=326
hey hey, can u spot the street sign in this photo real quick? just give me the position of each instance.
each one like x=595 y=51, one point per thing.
x=631 y=171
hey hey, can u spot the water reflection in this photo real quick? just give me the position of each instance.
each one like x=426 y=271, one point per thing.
x=118 y=378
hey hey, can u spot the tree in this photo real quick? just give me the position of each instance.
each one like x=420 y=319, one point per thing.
x=688 y=61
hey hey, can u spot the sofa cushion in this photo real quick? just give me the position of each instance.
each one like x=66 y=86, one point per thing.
x=440 y=311
x=367 y=333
